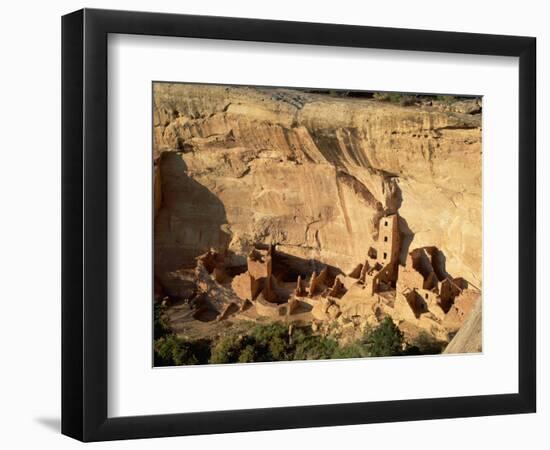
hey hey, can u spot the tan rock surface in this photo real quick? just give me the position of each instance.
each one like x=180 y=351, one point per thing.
x=311 y=174
x=461 y=308
x=469 y=337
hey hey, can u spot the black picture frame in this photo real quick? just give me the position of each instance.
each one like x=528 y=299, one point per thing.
x=84 y=224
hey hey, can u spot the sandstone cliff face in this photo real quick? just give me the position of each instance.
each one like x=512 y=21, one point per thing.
x=469 y=338
x=310 y=173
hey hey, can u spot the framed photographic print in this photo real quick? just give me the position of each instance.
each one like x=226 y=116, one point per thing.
x=274 y=225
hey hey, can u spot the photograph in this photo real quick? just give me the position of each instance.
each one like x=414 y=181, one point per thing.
x=297 y=224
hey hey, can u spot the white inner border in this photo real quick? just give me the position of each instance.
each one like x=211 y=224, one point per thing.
x=135 y=388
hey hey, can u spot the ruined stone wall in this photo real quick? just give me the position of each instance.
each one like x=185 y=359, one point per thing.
x=417 y=302
x=402 y=309
x=422 y=261
x=433 y=303
x=246 y=287
x=260 y=266
x=448 y=290
x=461 y=308
x=269 y=309
x=357 y=271
x=228 y=310
x=427 y=296
x=338 y=289
x=431 y=282
x=292 y=306
x=409 y=278
x=316 y=283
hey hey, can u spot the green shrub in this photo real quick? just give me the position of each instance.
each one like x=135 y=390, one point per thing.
x=407 y=100
x=271 y=342
x=161 y=327
x=381 y=96
x=227 y=349
x=248 y=354
x=174 y=351
x=315 y=347
x=355 y=350
x=445 y=98
x=384 y=340
x=264 y=333
x=394 y=97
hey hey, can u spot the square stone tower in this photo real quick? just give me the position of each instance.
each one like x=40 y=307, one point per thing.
x=388 y=246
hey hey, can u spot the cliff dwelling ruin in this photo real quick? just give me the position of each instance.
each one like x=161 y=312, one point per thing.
x=326 y=210
x=418 y=296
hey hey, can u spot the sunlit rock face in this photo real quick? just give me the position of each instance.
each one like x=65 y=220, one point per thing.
x=312 y=174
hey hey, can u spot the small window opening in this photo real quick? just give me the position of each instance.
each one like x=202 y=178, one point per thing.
x=385 y=255
x=385 y=238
